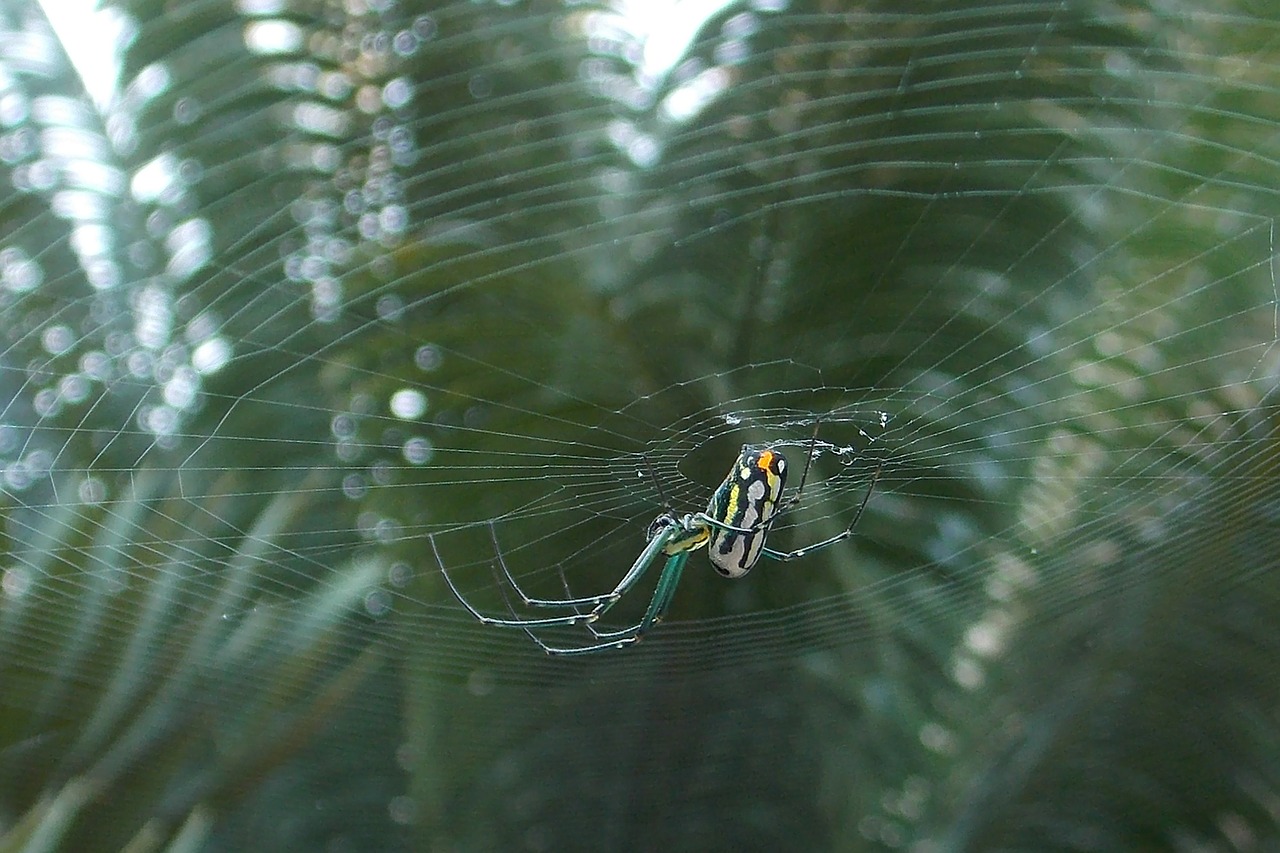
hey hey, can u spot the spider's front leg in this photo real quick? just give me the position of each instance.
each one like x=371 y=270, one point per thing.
x=839 y=537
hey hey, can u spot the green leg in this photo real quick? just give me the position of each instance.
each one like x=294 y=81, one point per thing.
x=666 y=590
x=662 y=596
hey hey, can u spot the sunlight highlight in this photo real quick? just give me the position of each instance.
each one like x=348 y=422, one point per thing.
x=91 y=38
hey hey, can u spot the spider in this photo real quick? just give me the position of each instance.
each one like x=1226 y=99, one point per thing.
x=734 y=526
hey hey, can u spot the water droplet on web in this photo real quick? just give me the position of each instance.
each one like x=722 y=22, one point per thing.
x=732 y=419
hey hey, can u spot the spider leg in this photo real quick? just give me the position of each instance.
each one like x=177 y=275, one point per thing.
x=804 y=475
x=515 y=622
x=661 y=600
x=663 y=593
x=595 y=632
x=570 y=651
x=622 y=637
x=662 y=597
x=529 y=601
x=637 y=570
x=839 y=537
x=600 y=604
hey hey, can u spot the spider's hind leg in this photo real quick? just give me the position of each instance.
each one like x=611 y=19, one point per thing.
x=530 y=601
x=515 y=621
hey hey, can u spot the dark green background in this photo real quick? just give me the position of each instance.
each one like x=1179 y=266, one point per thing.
x=1037 y=235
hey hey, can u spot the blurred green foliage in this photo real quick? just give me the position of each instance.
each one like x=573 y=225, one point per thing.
x=1038 y=236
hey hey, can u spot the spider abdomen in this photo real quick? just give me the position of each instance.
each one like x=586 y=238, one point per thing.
x=743 y=504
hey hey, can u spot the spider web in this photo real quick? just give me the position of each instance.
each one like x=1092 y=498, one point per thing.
x=325 y=302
